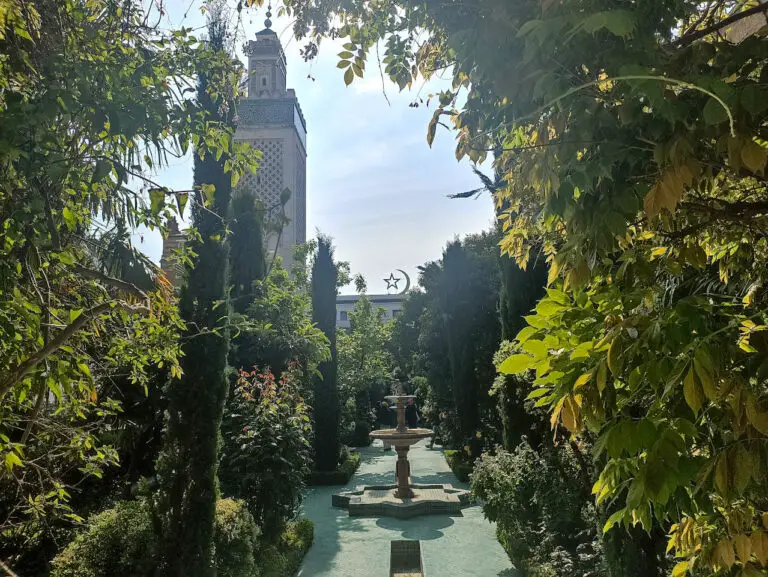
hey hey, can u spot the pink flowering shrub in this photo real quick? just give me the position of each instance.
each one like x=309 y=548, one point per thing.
x=266 y=448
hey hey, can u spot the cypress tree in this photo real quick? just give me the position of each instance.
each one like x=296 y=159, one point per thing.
x=326 y=396
x=247 y=263
x=467 y=296
x=187 y=467
x=520 y=291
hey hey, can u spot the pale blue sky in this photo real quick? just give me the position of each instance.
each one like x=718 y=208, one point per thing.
x=373 y=183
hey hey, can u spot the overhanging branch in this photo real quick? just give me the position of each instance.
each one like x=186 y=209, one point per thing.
x=23 y=369
x=693 y=36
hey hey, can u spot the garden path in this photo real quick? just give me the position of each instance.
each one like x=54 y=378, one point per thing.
x=359 y=546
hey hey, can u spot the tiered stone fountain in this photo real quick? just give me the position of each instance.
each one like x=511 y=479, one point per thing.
x=403 y=499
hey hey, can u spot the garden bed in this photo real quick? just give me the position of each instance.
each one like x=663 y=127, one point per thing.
x=284 y=558
x=340 y=476
x=460 y=464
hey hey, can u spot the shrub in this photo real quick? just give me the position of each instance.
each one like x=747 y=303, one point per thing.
x=284 y=558
x=266 y=452
x=340 y=476
x=235 y=539
x=121 y=542
x=543 y=510
x=460 y=464
x=118 y=542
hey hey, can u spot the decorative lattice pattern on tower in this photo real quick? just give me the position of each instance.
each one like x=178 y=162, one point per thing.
x=301 y=197
x=267 y=183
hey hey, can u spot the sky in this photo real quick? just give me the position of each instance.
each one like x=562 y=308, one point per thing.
x=373 y=183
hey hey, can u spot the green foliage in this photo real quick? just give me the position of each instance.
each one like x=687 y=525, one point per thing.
x=266 y=449
x=187 y=468
x=235 y=539
x=460 y=463
x=247 y=262
x=340 y=476
x=326 y=395
x=284 y=559
x=276 y=329
x=520 y=420
x=364 y=369
x=540 y=504
x=120 y=542
x=455 y=324
x=632 y=140
x=92 y=104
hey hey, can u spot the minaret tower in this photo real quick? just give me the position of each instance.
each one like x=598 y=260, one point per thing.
x=270 y=119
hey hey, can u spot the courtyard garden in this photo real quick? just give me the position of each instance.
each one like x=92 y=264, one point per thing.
x=577 y=389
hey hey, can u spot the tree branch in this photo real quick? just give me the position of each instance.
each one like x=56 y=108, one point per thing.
x=112 y=281
x=22 y=369
x=693 y=36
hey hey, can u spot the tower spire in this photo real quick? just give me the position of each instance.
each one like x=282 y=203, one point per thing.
x=268 y=22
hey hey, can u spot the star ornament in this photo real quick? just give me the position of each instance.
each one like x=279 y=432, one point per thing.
x=392 y=281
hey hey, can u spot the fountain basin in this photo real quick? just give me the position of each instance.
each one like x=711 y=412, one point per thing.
x=401 y=439
x=383 y=501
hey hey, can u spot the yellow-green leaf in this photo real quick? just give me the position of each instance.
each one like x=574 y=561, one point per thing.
x=742 y=468
x=582 y=380
x=12 y=460
x=692 y=392
x=613 y=357
x=757 y=418
x=724 y=553
x=516 y=364
x=721 y=474
x=570 y=414
x=754 y=156
x=349 y=76
x=704 y=370
x=743 y=548
x=602 y=376
x=680 y=569
x=759 y=545
x=537 y=348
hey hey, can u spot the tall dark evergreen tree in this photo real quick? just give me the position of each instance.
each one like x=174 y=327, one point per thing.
x=247 y=263
x=468 y=308
x=520 y=291
x=187 y=467
x=326 y=396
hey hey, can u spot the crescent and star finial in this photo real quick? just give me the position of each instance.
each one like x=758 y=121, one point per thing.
x=392 y=281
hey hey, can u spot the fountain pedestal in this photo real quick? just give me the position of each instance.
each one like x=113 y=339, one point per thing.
x=403 y=473
x=402 y=499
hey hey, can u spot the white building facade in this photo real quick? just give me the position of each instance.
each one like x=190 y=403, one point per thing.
x=392 y=305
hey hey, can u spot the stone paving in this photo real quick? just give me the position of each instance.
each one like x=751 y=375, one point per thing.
x=347 y=546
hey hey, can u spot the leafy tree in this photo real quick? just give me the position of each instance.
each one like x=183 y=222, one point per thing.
x=633 y=139
x=277 y=330
x=455 y=323
x=364 y=368
x=326 y=396
x=187 y=470
x=91 y=103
